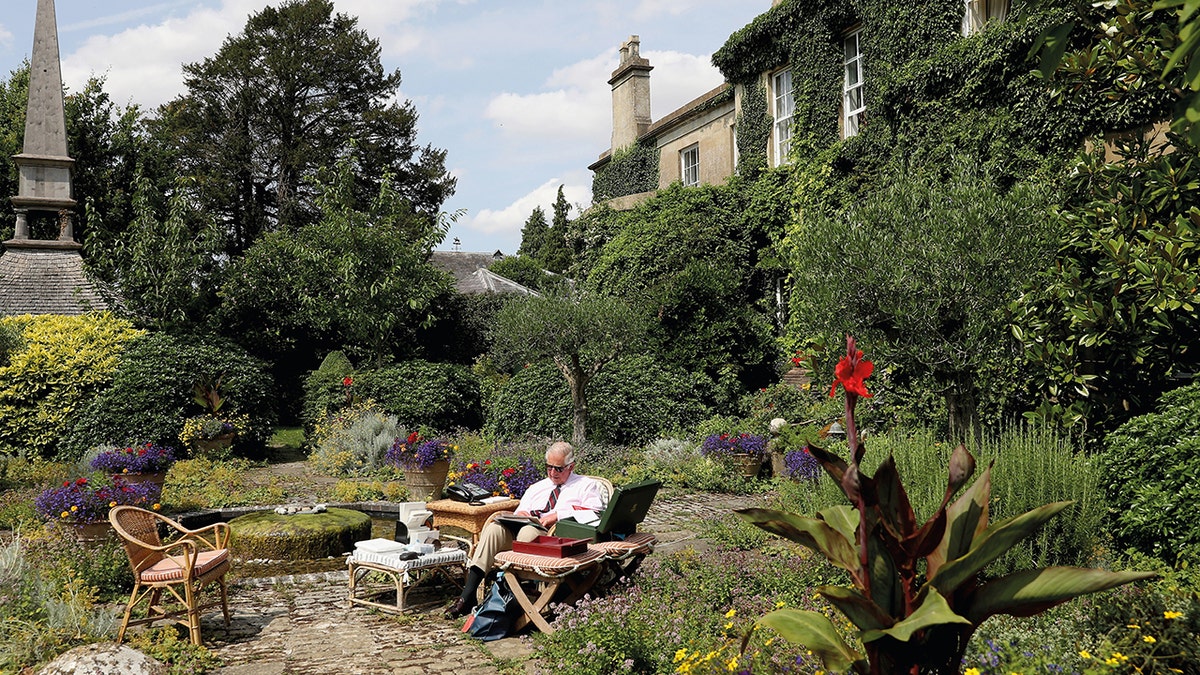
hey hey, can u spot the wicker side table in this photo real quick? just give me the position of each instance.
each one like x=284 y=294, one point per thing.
x=465 y=516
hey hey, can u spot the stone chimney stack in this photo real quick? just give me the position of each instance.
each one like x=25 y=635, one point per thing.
x=630 y=95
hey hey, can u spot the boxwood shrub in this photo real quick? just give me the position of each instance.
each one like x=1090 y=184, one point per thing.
x=1150 y=473
x=633 y=400
x=441 y=396
x=151 y=394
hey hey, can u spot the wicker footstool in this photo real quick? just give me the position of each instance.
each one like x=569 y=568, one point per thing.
x=574 y=574
x=450 y=563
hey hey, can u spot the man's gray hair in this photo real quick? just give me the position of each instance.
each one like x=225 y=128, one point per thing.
x=562 y=448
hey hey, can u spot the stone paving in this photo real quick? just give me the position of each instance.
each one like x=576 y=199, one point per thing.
x=301 y=625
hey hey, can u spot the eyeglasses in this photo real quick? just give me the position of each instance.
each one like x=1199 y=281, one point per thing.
x=559 y=469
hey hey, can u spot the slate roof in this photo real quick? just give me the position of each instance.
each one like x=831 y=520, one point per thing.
x=45 y=281
x=471 y=274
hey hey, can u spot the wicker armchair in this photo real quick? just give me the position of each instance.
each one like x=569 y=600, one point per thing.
x=181 y=567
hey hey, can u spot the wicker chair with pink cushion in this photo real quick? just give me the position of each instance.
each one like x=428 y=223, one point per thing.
x=182 y=567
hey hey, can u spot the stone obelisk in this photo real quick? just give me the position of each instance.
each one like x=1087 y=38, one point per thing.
x=45 y=276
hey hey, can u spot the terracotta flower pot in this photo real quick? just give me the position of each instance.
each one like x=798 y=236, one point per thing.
x=748 y=465
x=426 y=484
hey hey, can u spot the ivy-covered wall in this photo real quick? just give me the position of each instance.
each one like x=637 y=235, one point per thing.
x=630 y=170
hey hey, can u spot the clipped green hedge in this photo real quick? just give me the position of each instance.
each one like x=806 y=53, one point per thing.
x=1151 y=478
x=59 y=364
x=442 y=396
x=151 y=394
x=633 y=400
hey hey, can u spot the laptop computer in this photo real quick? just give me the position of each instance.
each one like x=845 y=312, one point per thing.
x=626 y=509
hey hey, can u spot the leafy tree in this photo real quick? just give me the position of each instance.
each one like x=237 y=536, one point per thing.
x=533 y=235
x=695 y=256
x=925 y=265
x=295 y=89
x=1115 y=320
x=357 y=280
x=581 y=335
x=529 y=273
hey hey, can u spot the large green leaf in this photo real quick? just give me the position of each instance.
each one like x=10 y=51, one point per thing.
x=933 y=611
x=815 y=631
x=994 y=542
x=810 y=532
x=1029 y=592
x=842 y=518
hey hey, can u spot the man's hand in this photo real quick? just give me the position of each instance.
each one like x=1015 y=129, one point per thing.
x=548 y=519
x=522 y=513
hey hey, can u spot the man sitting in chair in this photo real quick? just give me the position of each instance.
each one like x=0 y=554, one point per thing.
x=557 y=494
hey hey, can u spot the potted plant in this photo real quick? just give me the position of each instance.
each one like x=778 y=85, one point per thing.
x=136 y=463
x=501 y=478
x=426 y=463
x=213 y=432
x=82 y=504
x=746 y=451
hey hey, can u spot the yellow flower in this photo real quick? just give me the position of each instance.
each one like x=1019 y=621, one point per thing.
x=679 y=655
x=732 y=665
x=730 y=613
x=780 y=604
x=111 y=504
x=1172 y=615
x=1120 y=657
x=729 y=625
x=1085 y=654
x=74 y=509
x=971 y=671
x=1132 y=625
x=1148 y=639
x=156 y=506
x=65 y=514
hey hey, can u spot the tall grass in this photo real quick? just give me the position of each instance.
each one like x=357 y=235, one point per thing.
x=1032 y=467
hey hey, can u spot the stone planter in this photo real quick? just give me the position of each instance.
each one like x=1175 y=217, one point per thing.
x=778 y=466
x=748 y=465
x=156 y=477
x=213 y=446
x=91 y=531
x=426 y=484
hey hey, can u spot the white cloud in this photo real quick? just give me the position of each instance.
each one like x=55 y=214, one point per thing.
x=6 y=37
x=511 y=219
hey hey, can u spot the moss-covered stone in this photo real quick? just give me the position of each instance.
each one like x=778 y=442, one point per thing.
x=267 y=534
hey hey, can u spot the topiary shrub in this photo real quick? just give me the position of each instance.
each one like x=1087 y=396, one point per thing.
x=633 y=400
x=151 y=394
x=1150 y=474
x=58 y=365
x=442 y=396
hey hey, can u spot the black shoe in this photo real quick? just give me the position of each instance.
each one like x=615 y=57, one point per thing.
x=458 y=608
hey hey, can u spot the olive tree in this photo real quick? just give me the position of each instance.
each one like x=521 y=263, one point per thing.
x=580 y=334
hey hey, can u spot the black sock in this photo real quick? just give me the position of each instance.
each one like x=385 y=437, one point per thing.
x=471 y=585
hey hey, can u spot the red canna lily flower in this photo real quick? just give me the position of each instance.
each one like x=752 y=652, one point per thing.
x=851 y=371
x=347 y=381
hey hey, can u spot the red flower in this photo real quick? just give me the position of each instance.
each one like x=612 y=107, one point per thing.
x=798 y=358
x=66 y=483
x=412 y=438
x=851 y=371
x=347 y=381
x=81 y=481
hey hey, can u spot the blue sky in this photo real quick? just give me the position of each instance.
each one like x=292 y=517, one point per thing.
x=514 y=90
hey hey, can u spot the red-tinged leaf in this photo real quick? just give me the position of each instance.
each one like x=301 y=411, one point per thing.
x=816 y=632
x=895 y=510
x=992 y=543
x=965 y=518
x=835 y=466
x=1030 y=592
x=811 y=532
x=843 y=518
x=863 y=613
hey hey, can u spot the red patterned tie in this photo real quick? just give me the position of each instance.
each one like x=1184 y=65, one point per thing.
x=550 y=502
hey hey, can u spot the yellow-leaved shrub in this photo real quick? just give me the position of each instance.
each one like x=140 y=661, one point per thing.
x=61 y=363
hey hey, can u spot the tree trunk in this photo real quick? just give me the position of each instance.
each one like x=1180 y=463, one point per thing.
x=577 y=381
x=963 y=410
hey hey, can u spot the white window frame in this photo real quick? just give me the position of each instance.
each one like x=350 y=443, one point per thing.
x=783 y=109
x=854 y=103
x=977 y=13
x=689 y=165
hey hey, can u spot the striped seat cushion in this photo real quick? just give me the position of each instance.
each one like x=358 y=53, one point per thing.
x=548 y=566
x=446 y=556
x=171 y=568
x=638 y=543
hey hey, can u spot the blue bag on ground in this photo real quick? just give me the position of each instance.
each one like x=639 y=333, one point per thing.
x=495 y=615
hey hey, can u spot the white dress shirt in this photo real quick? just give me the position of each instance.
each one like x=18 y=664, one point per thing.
x=576 y=491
